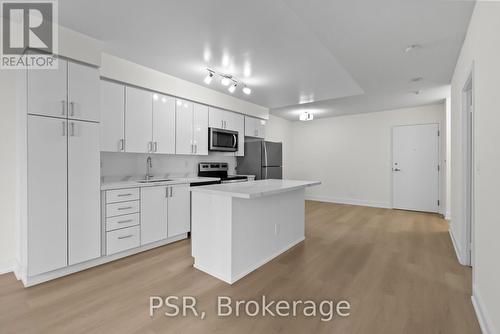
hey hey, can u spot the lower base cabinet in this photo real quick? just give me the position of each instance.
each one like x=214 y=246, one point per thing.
x=179 y=210
x=123 y=239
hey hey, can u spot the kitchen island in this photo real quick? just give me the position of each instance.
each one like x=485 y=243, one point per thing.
x=238 y=227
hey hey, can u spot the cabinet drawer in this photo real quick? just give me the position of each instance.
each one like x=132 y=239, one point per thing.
x=121 y=195
x=117 y=222
x=121 y=240
x=123 y=208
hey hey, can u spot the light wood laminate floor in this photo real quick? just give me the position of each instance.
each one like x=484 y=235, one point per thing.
x=398 y=270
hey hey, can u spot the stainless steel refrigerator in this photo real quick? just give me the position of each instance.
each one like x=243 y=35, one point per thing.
x=264 y=159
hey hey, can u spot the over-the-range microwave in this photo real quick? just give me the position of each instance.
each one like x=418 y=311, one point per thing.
x=222 y=140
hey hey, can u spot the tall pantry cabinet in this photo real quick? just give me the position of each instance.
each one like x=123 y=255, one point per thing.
x=63 y=167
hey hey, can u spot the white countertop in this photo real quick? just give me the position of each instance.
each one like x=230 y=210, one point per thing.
x=136 y=184
x=254 y=189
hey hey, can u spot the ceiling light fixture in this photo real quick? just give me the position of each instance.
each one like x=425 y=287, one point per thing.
x=209 y=77
x=412 y=47
x=232 y=88
x=227 y=80
x=306 y=116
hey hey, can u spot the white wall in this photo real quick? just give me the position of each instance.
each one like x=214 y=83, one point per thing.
x=481 y=51
x=280 y=130
x=351 y=155
x=7 y=169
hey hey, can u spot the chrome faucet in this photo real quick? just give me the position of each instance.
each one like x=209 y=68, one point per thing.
x=149 y=165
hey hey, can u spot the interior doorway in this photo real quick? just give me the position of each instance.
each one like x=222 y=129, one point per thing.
x=468 y=116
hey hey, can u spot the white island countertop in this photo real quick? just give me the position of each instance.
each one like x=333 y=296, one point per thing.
x=254 y=189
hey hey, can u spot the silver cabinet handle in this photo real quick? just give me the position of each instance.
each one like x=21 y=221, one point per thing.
x=72 y=129
x=72 y=108
x=122 y=145
x=124 y=195
x=126 y=236
x=195 y=148
x=125 y=208
x=125 y=221
x=397 y=170
x=222 y=124
x=63 y=103
x=171 y=191
x=156 y=146
x=150 y=147
x=192 y=148
x=63 y=128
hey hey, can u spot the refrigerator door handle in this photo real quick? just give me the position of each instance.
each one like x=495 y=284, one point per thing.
x=265 y=156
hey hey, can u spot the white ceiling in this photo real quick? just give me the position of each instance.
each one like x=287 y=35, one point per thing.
x=330 y=57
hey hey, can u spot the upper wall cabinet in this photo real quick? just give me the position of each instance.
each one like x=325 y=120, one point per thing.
x=223 y=119
x=138 y=120
x=68 y=92
x=113 y=117
x=83 y=87
x=191 y=128
x=255 y=127
x=163 y=124
x=47 y=91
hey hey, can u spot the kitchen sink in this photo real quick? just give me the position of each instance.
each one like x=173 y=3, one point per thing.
x=154 y=180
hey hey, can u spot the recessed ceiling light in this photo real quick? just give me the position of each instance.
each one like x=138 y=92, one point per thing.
x=417 y=79
x=247 y=90
x=232 y=88
x=412 y=47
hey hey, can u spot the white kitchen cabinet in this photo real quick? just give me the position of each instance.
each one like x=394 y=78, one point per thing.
x=138 y=120
x=83 y=92
x=255 y=127
x=179 y=210
x=123 y=239
x=163 y=124
x=84 y=226
x=200 y=129
x=224 y=119
x=112 y=97
x=191 y=128
x=153 y=214
x=47 y=194
x=47 y=91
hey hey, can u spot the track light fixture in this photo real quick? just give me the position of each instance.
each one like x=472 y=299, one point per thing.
x=226 y=80
x=306 y=116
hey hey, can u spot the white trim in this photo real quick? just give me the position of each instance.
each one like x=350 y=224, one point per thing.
x=350 y=201
x=259 y=264
x=6 y=267
x=483 y=317
x=447 y=215
x=456 y=246
x=33 y=280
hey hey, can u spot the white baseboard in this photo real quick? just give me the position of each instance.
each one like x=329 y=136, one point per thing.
x=349 y=201
x=6 y=267
x=483 y=317
x=456 y=246
x=447 y=215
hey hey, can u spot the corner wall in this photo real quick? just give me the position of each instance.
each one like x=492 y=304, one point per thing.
x=480 y=52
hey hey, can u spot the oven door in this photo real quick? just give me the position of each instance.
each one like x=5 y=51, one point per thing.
x=223 y=140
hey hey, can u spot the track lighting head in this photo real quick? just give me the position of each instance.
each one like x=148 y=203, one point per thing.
x=225 y=81
x=306 y=116
x=232 y=88
x=247 y=90
x=209 y=77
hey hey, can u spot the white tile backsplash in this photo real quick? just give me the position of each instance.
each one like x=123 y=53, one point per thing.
x=126 y=166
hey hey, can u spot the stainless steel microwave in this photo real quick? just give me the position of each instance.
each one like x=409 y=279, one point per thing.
x=222 y=140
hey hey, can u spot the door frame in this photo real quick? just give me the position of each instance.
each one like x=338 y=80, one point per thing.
x=440 y=207
x=469 y=166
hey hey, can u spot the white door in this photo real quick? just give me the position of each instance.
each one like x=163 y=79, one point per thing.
x=179 y=210
x=415 y=167
x=84 y=223
x=47 y=194
x=184 y=127
x=83 y=92
x=138 y=120
x=153 y=214
x=47 y=91
x=112 y=117
x=163 y=124
x=200 y=129
x=216 y=118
